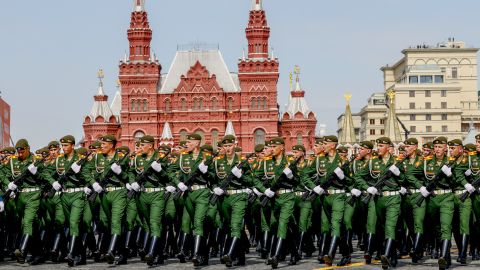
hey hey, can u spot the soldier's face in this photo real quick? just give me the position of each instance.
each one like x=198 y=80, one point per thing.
x=328 y=146
x=455 y=151
x=440 y=149
x=297 y=154
x=410 y=149
x=260 y=155
x=106 y=147
x=146 y=147
x=277 y=150
x=478 y=145
x=318 y=148
x=364 y=151
x=426 y=151
x=192 y=144
x=343 y=154
x=67 y=148
x=229 y=148
x=383 y=149
x=54 y=151
x=23 y=152
x=267 y=151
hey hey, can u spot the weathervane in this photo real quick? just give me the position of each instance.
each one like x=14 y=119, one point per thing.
x=391 y=95
x=348 y=96
x=100 y=75
x=291 y=81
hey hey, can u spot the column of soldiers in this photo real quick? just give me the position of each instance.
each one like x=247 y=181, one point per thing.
x=191 y=203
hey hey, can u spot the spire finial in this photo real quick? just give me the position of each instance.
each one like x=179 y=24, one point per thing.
x=100 y=76
x=139 y=5
x=297 y=79
x=257 y=5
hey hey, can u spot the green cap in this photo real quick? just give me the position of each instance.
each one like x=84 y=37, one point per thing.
x=428 y=145
x=342 y=149
x=366 y=144
x=207 y=148
x=277 y=141
x=182 y=143
x=330 y=139
x=319 y=140
x=228 y=139
x=477 y=137
x=123 y=149
x=82 y=151
x=68 y=139
x=164 y=148
x=238 y=149
x=95 y=145
x=440 y=140
x=455 y=142
x=9 y=150
x=108 y=138
x=22 y=143
x=411 y=141
x=147 y=139
x=299 y=147
x=259 y=148
x=53 y=144
x=470 y=147
x=42 y=151
x=384 y=140
x=194 y=137
x=401 y=148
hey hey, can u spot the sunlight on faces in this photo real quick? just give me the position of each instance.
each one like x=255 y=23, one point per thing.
x=297 y=153
x=440 y=150
x=410 y=149
x=426 y=151
x=383 y=149
x=277 y=149
x=318 y=148
x=146 y=148
x=364 y=151
x=328 y=146
x=229 y=149
x=455 y=150
x=191 y=145
x=67 y=148
x=107 y=147
x=268 y=151
x=54 y=151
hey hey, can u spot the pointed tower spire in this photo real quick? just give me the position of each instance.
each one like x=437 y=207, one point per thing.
x=297 y=102
x=257 y=32
x=257 y=5
x=138 y=5
x=100 y=105
x=229 y=130
x=100 y=76
x=392 y=129
x=139 y=33
x=348 y=131
x=472 y=132
x=167 y=137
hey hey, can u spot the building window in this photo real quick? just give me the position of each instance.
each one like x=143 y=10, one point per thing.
x=264 y=103
x=413 y=117
x=372 y=121
x=259 y=103
x=411 y=93
x=413 y=129
x=372 y=131
x=428 y=105
x=438 y=78
x=183 y=104
x=429 y=128
x=183 y=135
x=139 y=134
x=145 y=105
x=382 y=132
x=230 y=104
x=254 y=103
x=443 y=69
x=444 y=93
x=214 y=138
x=428 y=93
x=195 y=103
x=199 y=132
x=382 y=121
x=444 y=116
x=299 y=138
x=167 y=105
x=200 y=104
x=133 y=105
x=444 y=105
x=428 y=117
x=426 y=79
x=412 y=105
x=259 y=136
x=444 y=128
x=214 y=104
x=454 y=73
x=413 y=79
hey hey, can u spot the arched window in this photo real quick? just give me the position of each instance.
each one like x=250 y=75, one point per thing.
x=259 y=103
x=214 y=138
x=199 y=132
x=254 y=102
x=264 y=103
x=183 y=104
x=133 y=105
x=145 y=105
x=183 y=135
x=259 y=136
x=139 y=134
x=167 y=105
x=214 y=103
x=195 y=103
x=230 y=104
x=200 y=104
x=299 y=138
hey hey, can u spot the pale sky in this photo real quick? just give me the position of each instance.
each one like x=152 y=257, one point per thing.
x=51 y=50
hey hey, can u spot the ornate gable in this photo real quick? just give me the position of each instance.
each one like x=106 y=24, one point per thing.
x=198 y=80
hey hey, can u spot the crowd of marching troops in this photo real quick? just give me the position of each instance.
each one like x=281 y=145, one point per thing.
x=191 y=202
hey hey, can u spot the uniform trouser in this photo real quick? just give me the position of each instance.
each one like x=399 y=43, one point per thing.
x=55 y=212
x=413 y=214
x=462 y=213
x=388 y=211
x=348 y=215
x=73 y=206
x=303 y=213
x=170 y=210
x=196 y=207
x=131 y=215
x=283 y=212
x=318 y=217
x=87 y=218
x=266 y=217
x=333 y=209
x=232 y=209
x=27 y=206
x=152 y=208
x=440 y=207
x=114 y=204
x=371 y=216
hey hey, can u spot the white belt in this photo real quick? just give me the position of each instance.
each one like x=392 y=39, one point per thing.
x=414 y=191
x=300 y=193
x=236 y=191
x=442 y=191
x=26 y=190
x=150 y=190
x=335 y=191
x=283 y=191
x=110 y=189
x=348 y=194
x=72 y=190
x=390 y=193
x=460 y=192
x=197 y=187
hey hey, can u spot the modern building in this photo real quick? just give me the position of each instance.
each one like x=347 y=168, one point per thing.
x=199 y=94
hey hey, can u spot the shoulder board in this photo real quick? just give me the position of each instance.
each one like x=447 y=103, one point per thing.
x=61 y=155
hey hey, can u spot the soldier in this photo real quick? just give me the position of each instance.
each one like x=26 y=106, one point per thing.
x=474 y=164
x=11 y=228
x=427 y=149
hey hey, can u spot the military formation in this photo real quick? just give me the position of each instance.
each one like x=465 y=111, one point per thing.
x=190 y=203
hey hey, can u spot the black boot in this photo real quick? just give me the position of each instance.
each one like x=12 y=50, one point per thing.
x=462 y=256
x=417 y=252
x=346 y=249
x=328 y=258
x=443 y=260
x=123 y=257
x=152 y=251
x=215 y=243
x=198 y=257
x=273 y=248
x=228 y=257
x=21 y=252
x=265 y=245
x=278 y=252
x=81 y=258
x=182 y=239
x=71 y=251
x=110 y=257
x=386 y=256
x=301 y=237
x=370 y=244
x=54 y=253
x=38 y=252
x=322 y=248
x=142 y=251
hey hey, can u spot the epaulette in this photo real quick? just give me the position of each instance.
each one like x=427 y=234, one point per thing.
x=267 y=158
x=464 y=159
x=429 y=157
x=60 y=155
x=417 y=164
x=321 y=155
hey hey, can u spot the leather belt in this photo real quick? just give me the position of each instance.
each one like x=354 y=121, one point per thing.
x=26 y=190
x=442 y=191
x=300 y=193
x=198 y=187
x=390 y=193
x=72 y=190
x=236 y=191
x=284 y=191
x=150 y=190
x=335 y=191
x=110 y=189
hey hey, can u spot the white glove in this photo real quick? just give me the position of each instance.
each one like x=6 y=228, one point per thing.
x=13 y=195
x=170 y=189
x=288 y=173
x=269 y=193
x=469 y=188
x=468 y=172
x=395 y=170
x=128 y=186
x=372 y=190
x=339 y=173
x=249 y=191
x=447 y=170
x=258 y=193
x=319 y=190
x=12 y=186
x=203 y=168
x=237 y=172
x=218 y=191
x=182 y=186
x=87 y=191
x=117 y=169
x=97 y=187
x=403 y=191
x=156 y=166
x=135 y=186
x=32 y=169
x=424 y=192
x=56 y=186
x=2 y=206
x=355 y=192
x=75 y=167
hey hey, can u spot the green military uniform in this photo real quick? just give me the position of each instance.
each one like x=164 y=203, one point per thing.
x=472 y=175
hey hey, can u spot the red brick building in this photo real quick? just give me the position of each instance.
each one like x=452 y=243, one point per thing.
x=199 y=94
x=5 y=123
